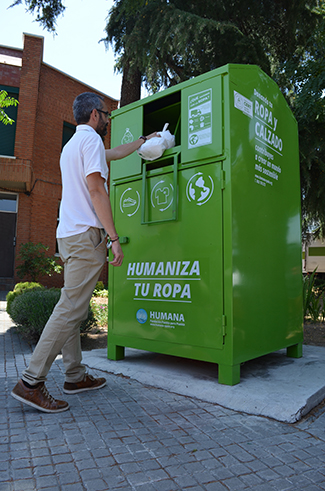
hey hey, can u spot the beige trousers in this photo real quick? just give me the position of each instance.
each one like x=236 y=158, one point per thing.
x=83 y=256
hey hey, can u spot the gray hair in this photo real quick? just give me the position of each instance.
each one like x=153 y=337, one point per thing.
x=83 y=105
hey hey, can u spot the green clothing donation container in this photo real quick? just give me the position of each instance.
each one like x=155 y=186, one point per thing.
x=211 y=230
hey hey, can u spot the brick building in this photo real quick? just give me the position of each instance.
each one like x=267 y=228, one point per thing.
x=30 y=181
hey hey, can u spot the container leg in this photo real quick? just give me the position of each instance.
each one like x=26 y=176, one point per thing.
x=115 y=352
x=295 y=351
x=229 y=374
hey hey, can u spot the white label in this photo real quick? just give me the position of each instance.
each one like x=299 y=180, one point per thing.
x=200 y=119
x=243 y=104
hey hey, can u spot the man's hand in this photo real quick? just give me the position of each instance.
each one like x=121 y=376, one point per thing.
x=117 y=253
x=153 y=135
x=126 y=149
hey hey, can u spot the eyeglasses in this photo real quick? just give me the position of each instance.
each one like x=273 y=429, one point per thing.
x=107 y=114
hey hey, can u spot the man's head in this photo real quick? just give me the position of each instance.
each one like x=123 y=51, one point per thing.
x=90 y=108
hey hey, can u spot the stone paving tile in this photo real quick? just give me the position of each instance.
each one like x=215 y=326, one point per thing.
x=132 y=437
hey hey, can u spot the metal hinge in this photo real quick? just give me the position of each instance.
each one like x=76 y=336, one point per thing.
x=224 y=325
x=223 y=179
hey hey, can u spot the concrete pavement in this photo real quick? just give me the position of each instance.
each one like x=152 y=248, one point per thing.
x=132 y=435
x=274 y=385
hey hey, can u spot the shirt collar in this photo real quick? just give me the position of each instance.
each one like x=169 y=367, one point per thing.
x=85 y=127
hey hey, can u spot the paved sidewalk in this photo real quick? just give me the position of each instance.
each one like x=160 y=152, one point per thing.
x=129 y=436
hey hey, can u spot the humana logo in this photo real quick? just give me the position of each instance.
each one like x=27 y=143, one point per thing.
x=166 y=316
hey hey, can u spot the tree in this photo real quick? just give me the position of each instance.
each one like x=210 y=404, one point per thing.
x=6 y=101
x=164 y=42
x=170 y=41
x=302 y=79
x=47 y=11
x=118 y=30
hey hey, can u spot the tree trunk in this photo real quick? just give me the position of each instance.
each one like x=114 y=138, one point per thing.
x=131 y=85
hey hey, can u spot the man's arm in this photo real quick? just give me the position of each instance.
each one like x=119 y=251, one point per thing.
x=126 y=149
x=102 y=205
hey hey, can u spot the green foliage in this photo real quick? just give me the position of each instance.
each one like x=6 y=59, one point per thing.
x=323 y=306
x=100 y=290
x=35 y=262
x=100 y=313
x=302 y=80
x=31 y=311
x=173 y=40
x=315 y=307
x=100 y=310
x=314 y=296
x=6 y=101
x=99 y=287
x=18 y=290
x=308 y=287
x=46 y=11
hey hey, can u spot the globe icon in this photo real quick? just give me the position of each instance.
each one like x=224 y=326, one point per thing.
x=199 y=191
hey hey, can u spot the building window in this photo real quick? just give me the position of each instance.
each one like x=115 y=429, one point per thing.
x=68 y=132
x=8 y=203
x=8 y=131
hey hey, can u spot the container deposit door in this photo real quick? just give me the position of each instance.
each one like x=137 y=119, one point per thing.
x=170 y=287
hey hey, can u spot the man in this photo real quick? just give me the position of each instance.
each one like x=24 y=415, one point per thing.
x=85 y=216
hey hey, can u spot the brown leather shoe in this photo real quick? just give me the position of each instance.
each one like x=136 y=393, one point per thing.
x=38 y=398
x=88 y=383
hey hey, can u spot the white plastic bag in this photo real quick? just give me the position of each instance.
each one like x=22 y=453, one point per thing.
x=154 y=148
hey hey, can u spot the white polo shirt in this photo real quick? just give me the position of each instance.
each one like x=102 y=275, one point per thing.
x=84 y=154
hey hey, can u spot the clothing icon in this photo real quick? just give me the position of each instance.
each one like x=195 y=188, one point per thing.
x=161 y=195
